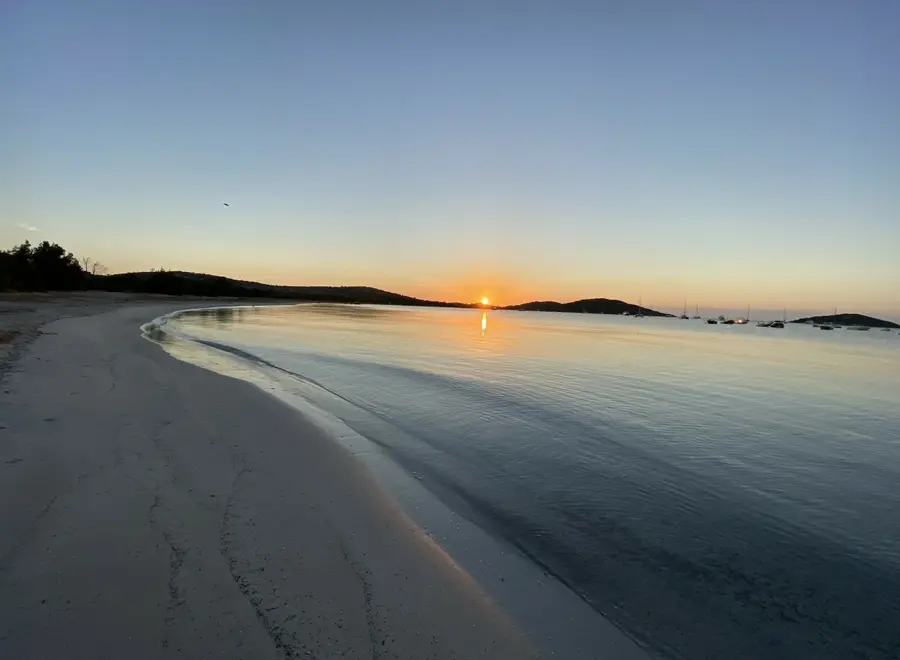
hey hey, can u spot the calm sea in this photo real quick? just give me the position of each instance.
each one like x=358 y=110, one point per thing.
x=715 y=491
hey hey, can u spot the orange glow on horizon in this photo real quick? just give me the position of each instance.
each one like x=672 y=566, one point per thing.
x=497 y=287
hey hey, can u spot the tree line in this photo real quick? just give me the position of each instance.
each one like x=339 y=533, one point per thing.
x=43 y=267
x=50 y=267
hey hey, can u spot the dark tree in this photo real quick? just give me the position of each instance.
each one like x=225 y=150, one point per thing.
x=55 y=269
x=47 y=267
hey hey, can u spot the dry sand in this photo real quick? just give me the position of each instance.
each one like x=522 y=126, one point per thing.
x=152 y=509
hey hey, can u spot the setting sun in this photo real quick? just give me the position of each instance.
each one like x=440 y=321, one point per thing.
x=485 y=301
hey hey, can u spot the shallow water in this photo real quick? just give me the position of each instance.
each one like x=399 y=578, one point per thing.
x=716 y=491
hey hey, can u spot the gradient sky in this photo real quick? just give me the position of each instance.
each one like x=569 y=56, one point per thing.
x=720 y=152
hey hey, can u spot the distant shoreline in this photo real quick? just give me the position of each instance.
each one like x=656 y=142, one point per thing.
x=852 y=320
x=199 y=284
x=49 y=267
x=180 y=283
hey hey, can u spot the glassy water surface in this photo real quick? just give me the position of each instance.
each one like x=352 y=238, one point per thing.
x=716 y=491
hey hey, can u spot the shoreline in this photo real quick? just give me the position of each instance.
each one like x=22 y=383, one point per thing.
x=561 y=621
x=153 y=509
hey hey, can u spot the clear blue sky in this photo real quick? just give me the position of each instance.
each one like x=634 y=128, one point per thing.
x=719 y=152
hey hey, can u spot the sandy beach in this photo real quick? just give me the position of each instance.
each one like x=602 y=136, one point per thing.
x=152 y=509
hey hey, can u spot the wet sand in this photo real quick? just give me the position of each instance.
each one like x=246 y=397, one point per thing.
x=152 y=509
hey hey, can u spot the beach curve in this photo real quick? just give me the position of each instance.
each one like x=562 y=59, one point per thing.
x=156 y=509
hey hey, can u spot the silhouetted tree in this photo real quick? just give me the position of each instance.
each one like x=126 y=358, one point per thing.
x=42 y=268
x=55 y=269
x=92 y=266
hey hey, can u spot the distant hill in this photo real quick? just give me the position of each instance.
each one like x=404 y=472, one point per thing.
x=586 y=306
x=849 y=319
x=180 y=283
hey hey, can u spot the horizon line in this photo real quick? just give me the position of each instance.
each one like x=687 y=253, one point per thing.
x=807 y=311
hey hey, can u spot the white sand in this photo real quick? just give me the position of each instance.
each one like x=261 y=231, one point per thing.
x=150 y=508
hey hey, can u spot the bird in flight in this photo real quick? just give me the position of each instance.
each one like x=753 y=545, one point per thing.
x=226 y=204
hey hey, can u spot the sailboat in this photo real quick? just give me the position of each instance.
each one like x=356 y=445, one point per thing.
x=697 y=312
x=775 y=324
x=746 y=319
x=640 y=313
x=684 y=313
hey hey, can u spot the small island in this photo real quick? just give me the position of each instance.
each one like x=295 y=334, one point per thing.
x=587 y=306
x=858 y=320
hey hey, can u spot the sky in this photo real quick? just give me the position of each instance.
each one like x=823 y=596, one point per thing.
x=719 y=153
